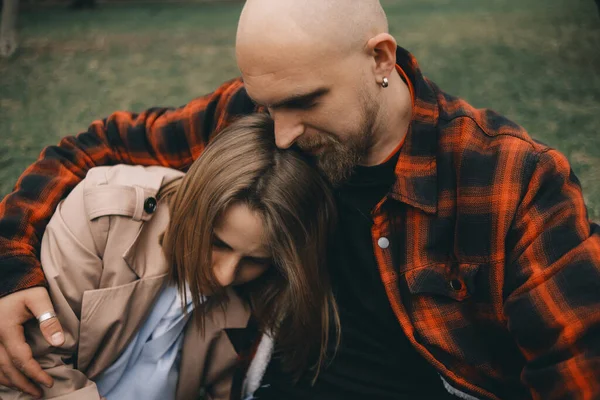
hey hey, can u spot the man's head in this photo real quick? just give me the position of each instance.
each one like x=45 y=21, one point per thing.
x=318 y=66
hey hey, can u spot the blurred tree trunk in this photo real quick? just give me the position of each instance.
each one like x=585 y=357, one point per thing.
x=8 y=27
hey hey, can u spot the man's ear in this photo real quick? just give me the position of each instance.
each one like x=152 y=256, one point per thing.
x=383 y=50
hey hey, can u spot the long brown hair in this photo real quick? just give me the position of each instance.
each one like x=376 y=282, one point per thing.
x=293 y=299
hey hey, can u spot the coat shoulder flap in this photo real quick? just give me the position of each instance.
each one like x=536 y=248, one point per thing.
x=122 y=190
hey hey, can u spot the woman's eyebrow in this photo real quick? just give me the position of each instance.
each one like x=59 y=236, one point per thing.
x=260 y=260
x=221 y=243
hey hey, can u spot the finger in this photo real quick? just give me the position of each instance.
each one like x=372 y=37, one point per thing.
x=11 y=377
x=4 y=380
x=53 y=332
x=39 y=304
x=20 y=358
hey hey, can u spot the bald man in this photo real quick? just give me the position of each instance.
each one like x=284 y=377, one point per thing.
x=464 y=265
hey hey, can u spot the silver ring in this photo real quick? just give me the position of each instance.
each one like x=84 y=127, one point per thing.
x=46 y=316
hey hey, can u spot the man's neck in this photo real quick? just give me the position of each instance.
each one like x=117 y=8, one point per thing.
x=393 y=120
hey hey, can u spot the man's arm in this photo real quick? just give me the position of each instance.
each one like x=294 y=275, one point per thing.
x=168 y=137
x=553 y=285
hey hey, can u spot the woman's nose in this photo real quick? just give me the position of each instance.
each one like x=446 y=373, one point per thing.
x=226 y=269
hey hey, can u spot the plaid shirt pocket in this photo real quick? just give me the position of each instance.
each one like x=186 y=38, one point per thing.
x=453 y=280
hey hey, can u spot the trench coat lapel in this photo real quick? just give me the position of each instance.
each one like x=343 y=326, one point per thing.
x=209 y=358
x=111 y=316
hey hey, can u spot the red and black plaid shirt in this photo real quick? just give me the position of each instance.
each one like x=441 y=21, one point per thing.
x=492 y=268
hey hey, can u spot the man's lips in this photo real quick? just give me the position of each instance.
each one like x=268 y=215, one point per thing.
x=315 y=151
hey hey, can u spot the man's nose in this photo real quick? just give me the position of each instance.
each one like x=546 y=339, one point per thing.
x=288 y=129
x=226 y=269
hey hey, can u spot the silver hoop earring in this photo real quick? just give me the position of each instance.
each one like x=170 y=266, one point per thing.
x=385 y=83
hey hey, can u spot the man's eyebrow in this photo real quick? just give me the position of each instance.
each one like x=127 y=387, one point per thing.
x=299 y=99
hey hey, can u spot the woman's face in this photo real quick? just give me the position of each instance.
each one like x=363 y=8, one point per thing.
x=239 y=251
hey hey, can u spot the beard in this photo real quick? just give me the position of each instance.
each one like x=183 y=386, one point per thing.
x=336 y=159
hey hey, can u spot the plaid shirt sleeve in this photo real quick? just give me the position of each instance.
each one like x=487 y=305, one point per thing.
x=553 y=284
x=158 y=136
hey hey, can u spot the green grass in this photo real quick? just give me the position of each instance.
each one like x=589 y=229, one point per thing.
x=536 y=62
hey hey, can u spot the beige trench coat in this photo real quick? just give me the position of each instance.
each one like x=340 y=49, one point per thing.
x=105 y=267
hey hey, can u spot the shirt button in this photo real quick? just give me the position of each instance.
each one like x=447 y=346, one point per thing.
x=150 y=205
x=455 y=284
x=383 y=242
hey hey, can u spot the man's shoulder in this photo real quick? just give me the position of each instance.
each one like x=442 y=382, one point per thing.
x=482 y=129
x=231 y=92
x=486 y=151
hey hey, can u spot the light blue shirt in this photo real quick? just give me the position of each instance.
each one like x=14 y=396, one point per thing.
x=149 y=366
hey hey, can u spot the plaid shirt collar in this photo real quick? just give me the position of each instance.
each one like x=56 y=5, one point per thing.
x=416 y=169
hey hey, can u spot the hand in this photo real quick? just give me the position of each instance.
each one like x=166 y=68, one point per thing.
x=17 y=365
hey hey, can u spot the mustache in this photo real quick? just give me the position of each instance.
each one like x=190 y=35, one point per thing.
x=316 y=142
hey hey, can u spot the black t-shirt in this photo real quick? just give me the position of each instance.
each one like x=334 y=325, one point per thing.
x=375 y=359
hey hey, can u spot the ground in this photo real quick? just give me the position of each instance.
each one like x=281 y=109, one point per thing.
x=538 y=62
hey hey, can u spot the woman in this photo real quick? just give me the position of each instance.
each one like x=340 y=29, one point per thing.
x=153 y=274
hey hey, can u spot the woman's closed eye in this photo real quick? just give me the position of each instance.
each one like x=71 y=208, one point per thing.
x=261 y=261
x=219 y=244
x=249 y=269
